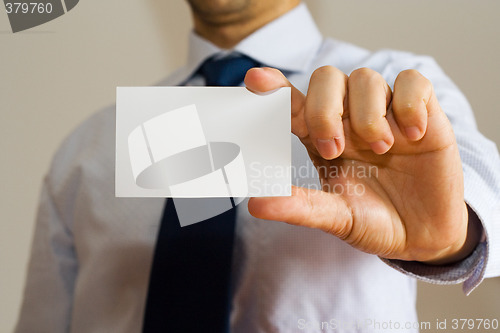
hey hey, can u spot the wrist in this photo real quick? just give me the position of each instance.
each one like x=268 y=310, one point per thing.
x=472 y=238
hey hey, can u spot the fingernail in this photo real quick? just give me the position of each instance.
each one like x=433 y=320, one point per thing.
x=380 y=147
x=327 y=148
x=413 y=133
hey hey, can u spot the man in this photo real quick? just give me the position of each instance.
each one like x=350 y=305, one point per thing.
x=428 y=212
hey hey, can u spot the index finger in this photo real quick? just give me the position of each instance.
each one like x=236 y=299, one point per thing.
x=265 y=80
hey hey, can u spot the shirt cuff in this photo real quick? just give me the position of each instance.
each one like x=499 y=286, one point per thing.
x=469 y=270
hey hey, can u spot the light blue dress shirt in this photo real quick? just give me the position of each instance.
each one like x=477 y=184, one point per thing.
x=92 y=252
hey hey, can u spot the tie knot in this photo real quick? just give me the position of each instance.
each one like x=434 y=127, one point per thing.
x=227 y=71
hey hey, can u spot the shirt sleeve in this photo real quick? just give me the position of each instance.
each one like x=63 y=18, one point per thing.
x=481 y=167
x=52 y=270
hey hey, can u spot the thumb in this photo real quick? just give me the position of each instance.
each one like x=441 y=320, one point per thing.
x=264 y=80
x=309 y=208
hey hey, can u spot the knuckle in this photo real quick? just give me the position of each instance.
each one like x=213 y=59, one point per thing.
x=408 y=108
x=364 y=76
x=368 y=128
x=410 y=74
x=413 y=75
x=327 y=70
x=321 y=120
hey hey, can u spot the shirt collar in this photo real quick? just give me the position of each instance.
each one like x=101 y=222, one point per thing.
x=289 y=43
x=282 y=44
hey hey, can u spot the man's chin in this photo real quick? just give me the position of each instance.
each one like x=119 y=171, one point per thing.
x=215 y=8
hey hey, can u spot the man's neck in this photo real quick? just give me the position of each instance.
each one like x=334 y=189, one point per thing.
x=229 y=29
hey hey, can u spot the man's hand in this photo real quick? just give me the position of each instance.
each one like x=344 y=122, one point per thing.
x=406 y=197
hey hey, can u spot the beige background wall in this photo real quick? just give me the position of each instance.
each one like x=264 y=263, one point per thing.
x=54 y=76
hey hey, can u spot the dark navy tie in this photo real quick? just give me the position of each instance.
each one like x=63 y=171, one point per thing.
x=189 y=288
x=227 y=71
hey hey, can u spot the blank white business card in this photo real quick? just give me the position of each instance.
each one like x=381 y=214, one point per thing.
x=202 y=142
